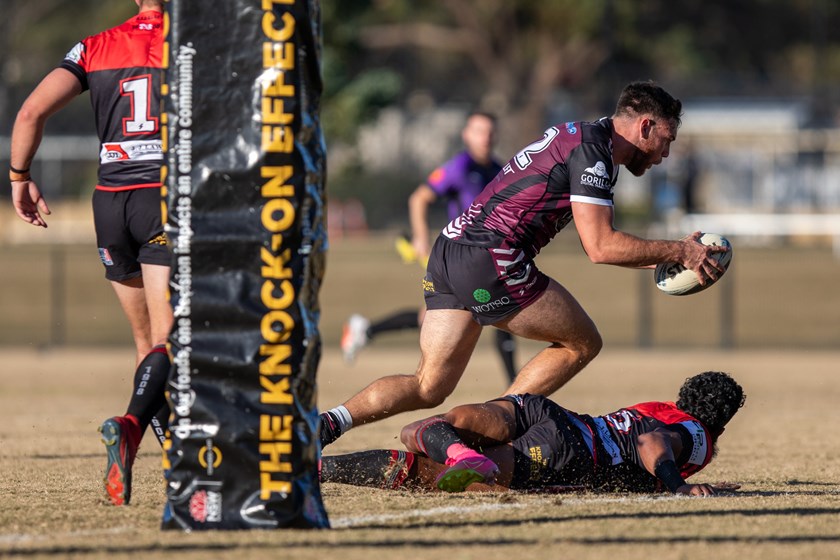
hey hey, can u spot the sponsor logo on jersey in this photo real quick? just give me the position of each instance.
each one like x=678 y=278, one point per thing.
x=481 y=295
x=700 y=448
x=597 y=176
x=428 y=285
x=491 y=305
x=529 y=285
x=622 y=421
x=136 y=150
x=105 y=257
x=206 y=506
x=158 y=240
x=112 y=152
x=75 y=54
x=571 y=128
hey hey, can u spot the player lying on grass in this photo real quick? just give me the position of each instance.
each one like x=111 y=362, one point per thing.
x=528 y=442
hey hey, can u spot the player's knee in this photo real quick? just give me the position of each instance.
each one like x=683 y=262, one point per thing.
x=464 y=416
x=585 y=346
x=431 y=396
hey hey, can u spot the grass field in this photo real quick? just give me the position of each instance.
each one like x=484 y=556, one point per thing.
x=782 y=447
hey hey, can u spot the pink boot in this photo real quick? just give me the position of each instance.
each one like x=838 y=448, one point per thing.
x=465 y=468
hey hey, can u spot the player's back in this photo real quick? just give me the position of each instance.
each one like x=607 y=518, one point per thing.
x=122 y=69
x=618 y=433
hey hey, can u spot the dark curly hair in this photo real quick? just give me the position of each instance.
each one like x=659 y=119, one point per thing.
x=711 y=397
x=648 y=98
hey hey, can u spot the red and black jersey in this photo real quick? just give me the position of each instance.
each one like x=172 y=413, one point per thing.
x=122 y=68
x=530 y=200
x=612 y=438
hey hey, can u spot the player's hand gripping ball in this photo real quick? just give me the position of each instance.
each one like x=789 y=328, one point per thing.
x=676 y=280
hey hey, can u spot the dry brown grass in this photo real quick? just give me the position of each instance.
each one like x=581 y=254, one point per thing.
x=782 y=447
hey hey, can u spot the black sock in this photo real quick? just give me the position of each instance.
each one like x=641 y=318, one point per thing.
x=330 y=428
x=436 y=436
x=149 y=386
x=399 y=321
x=506 y=347
x=160 y=423
x=380 y=468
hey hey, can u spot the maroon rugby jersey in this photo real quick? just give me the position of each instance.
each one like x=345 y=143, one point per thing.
x=530 y=200
x=612 y=439
x=122 y=69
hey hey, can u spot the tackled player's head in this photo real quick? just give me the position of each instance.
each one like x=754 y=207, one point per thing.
x=712 y=397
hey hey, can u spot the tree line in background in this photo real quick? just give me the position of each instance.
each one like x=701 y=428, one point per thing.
x=530 y=62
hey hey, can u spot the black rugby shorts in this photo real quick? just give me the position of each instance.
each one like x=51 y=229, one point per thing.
x=129 y=231
x=548 y=449
x=491 y=283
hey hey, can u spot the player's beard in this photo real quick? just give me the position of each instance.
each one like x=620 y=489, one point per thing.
x=638 y=164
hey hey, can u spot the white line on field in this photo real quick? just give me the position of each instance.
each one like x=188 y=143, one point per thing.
x=13 y=538
x=345 y=522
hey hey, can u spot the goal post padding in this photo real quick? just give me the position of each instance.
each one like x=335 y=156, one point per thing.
x=243 y=197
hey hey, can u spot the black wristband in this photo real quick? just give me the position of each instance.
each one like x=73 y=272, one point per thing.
x=20 y=171
x=667 y=472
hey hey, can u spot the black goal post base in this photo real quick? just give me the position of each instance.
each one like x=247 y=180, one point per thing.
x=244 y=211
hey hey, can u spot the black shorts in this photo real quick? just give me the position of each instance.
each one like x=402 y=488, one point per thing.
x=129 y=231
x=491 y=283
x=548 y=449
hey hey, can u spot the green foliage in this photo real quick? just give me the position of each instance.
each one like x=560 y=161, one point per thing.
x=359 y=101
x=42 y=32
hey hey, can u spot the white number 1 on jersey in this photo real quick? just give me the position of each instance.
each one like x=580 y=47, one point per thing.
x=139 y=91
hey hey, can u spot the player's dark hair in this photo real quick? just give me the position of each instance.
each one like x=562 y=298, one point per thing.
x=712 y=397
x=648 y=98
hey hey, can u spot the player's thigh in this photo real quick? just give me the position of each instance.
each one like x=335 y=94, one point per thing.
x=489 y=423
x=447 y=340
x=117 y=248
x=556 y=316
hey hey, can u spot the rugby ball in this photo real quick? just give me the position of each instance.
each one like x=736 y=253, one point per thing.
x=676 y=280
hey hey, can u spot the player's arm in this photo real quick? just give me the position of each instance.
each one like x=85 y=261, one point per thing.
x=418 y=215
x=55 y=91
x=606 y=245
x=658 y=451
